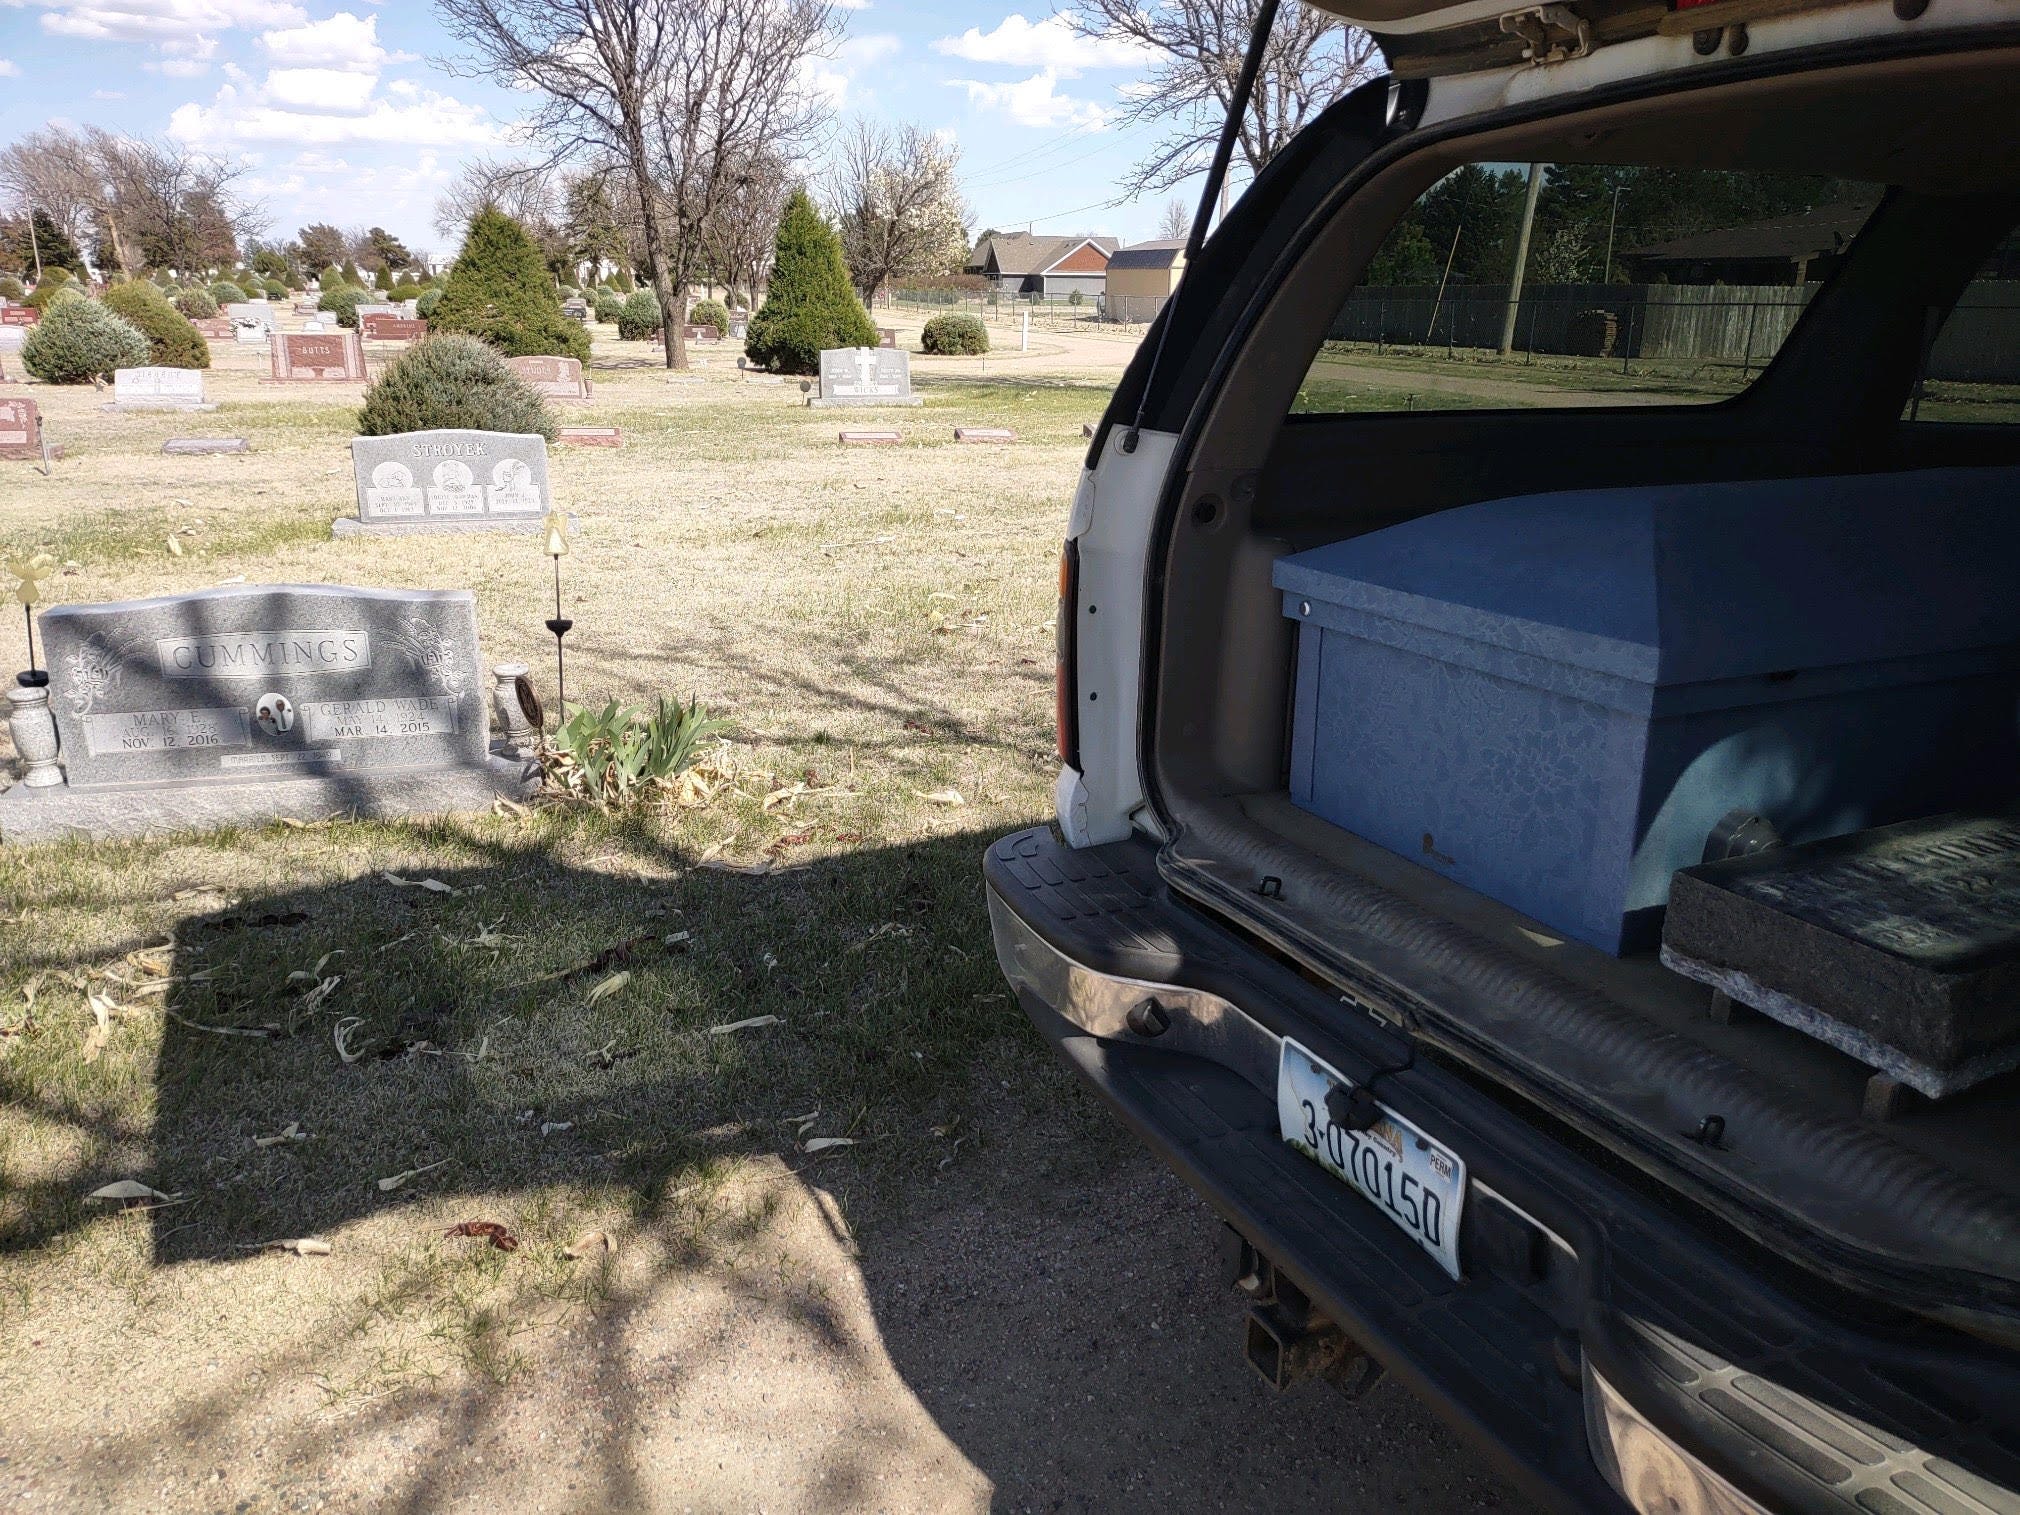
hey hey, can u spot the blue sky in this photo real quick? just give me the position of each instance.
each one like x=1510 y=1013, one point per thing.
x=345 y=117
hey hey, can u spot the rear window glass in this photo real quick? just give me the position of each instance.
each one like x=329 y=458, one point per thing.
x=1971 y=367
x=1564 y=285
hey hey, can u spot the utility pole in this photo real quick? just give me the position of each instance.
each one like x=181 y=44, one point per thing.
x=1521 y=258
x=1443 y=279
x=1612 y=220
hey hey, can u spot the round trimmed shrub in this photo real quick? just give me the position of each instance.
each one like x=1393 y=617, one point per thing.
x=330 y=277
x=608 y=305
x=171 y=341
x=274 y=289
x=343 y=302
x=426 y=301
x=224 y=292
x=196 y=304
x=79 y=340
x=622 y=282
x=709 y=313
x=638 y=317
x=501 y=291
x=955 y=336
x=810 y=305
x=452 y=381
x=54 y=281
x=10 y=287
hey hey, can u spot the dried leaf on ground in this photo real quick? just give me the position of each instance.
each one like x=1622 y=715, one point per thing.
x=615 y=984
x=399 y=1180
x=490 y=1230
x=257 y=1032
x=432 y=885
x=609 y=957
x=291 y=1132
x=301 y=1246
x=587 y=1243
x=826 y=1143
x=754 y=1023
x=128 y=1191
x=948 y=797
x=554 y=1127
x=341 y=1035
x=174 y=548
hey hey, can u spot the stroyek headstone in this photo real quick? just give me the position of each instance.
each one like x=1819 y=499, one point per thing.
x=556 y=378
x=865 y=376
x=304 y=356
x=435 y=481
x=158 y=389
x=252 y=701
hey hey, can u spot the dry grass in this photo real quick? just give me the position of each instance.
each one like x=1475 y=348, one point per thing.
x=876 y=626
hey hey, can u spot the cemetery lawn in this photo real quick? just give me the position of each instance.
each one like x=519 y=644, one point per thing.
x=801 y=1214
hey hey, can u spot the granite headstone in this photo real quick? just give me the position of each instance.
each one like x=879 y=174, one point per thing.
x=434 y=481
x=866 y=376
x=158 y=389
x=303 y=356
x=246 y=702
x=556 y=378
x=251 y=313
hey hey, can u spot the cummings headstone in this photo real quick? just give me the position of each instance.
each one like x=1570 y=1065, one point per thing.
x=866 y=376
x=251 y=701
x=422 y=481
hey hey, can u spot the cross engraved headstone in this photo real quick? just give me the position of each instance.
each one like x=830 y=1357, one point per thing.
x=433 y=481
x=240 y=703
x=866 y=376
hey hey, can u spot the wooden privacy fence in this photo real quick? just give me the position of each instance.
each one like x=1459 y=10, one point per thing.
x=1713 y=323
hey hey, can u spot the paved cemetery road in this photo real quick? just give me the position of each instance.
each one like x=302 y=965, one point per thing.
x=1019 y=1348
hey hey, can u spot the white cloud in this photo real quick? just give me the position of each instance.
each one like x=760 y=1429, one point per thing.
x=342 y=41
x=182 y=57
x=297 y=113
x=319 y=89
x=156 y=20
x=9 y=68
x=835 y=79
x=108 y=94
x=1035 y=101
x=1051 y=44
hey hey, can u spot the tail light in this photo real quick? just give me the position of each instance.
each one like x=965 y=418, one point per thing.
x=1065 y=690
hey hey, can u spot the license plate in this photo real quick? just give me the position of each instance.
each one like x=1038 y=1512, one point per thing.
x=1417 y=1182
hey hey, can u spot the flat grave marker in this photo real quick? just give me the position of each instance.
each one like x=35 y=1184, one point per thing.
x=441 y=481
x=590 y=436
x=196 y=447
x=300 y=357
x=556 y=378
x=156 y=388
x=252 y=701
x=215 y=328
x=865 y=376
x=868 y=438
x=984 y=434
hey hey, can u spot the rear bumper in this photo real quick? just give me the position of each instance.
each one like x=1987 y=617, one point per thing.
x=1571 y=1268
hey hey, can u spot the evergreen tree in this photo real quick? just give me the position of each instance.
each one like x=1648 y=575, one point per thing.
x=811 y=304
x=499 y=290
x=54 y=246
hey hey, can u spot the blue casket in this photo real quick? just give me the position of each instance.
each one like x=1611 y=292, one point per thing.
x=1553 y=699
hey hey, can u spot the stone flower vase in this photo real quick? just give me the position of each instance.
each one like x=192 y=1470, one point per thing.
x=513 y=727
x=33 y=726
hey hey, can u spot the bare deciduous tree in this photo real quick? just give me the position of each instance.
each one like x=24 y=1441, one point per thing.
x=1197 y=47
x=674 y=94
x=742 y=236
x=1175 y=225
x=897 y=197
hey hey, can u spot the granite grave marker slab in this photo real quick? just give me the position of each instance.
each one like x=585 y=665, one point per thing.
x=862 y=438
x=590 y=436
x=158 y=389
x=252 y=701
x=251 y=313
x=335 y=356
x=435 y=481
x=866 y=376
x=196 y=447
x=13 y=338
x=984 y=434
x=556 y=378
x=19 y=315
x=215 y=328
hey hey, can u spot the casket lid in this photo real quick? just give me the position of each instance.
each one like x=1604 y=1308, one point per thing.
x=1677 y=584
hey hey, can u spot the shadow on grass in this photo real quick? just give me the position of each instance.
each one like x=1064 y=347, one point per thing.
x=479 y=1013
